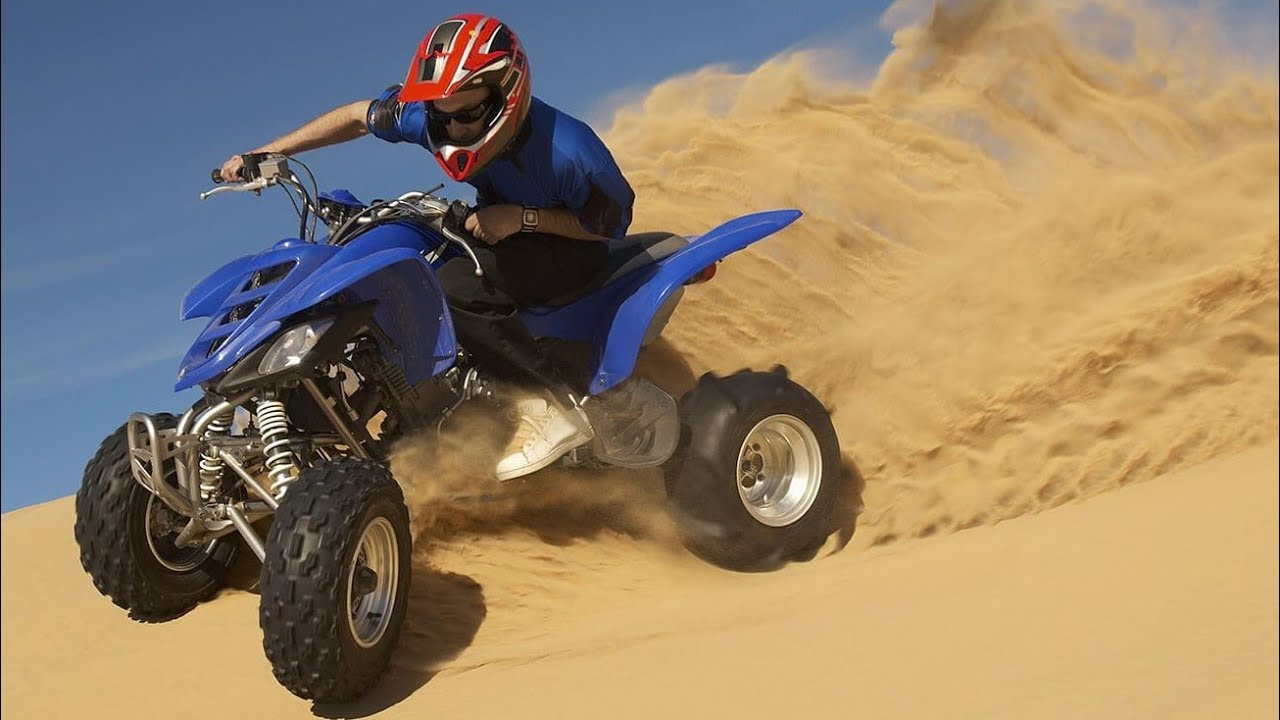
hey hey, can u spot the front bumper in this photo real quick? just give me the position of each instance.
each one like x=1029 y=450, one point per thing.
x=158 y=454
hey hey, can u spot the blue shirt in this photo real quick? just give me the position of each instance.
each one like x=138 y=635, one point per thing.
x=555 y=161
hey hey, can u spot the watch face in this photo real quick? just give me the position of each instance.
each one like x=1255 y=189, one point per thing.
x=530 y=217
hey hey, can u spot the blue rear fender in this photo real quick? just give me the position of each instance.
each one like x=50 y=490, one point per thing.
x=617 y=317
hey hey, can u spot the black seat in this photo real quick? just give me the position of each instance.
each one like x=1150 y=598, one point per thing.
x=625 y=257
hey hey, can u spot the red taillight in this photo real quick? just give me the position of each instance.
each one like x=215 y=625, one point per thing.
x=702 y=275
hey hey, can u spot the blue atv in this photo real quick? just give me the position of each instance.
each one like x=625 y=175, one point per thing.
x=320 y=352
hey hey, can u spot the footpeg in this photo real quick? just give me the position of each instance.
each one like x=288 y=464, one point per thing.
x=637 y=425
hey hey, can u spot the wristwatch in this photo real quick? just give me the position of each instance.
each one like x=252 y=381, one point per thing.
x=529 y=219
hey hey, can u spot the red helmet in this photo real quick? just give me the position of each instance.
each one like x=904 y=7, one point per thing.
x=463 y=53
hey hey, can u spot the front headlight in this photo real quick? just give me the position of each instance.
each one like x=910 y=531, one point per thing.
x=293 y=346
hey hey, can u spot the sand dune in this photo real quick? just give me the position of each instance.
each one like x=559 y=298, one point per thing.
x=1038 y=266
x=1157 y=600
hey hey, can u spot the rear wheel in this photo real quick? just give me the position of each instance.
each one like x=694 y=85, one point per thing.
x=336 y=579
x=126 y=537
x=756 y=477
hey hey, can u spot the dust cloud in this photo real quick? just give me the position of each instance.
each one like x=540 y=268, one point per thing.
x=1038 y=261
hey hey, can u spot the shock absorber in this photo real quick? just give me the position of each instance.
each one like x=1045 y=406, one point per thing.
x=273 y=423
x=210 y=464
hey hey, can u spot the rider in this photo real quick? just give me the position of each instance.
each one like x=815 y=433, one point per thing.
x=548 y=197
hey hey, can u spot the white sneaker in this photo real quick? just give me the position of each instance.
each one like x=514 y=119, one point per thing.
x=545 y=433
x=531 y=406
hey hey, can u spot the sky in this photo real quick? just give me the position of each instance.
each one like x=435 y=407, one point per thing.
x=115 y=113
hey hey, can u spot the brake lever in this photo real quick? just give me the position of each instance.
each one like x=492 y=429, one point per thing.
x=251 y=186
x=455 y=216
x=458 y=240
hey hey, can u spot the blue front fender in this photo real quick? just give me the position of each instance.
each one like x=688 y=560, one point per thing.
x=204 y=299
x=385 y=265
x=412 y=309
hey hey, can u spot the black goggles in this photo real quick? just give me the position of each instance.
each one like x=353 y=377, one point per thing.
x=465 y=116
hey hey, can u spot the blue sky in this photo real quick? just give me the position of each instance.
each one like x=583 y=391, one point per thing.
x=114 y=114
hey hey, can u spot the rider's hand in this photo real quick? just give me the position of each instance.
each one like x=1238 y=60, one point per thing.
x=495 y=223
x=231 y=169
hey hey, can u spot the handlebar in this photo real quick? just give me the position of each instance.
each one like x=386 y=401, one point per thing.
x=452 y=217
x=262 y=170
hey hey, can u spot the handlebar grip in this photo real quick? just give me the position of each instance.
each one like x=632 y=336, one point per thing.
x=248 y=171
x=218 y=178
x=456 y=218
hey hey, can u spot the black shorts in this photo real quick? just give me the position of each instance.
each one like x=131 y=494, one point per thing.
x=526 y=269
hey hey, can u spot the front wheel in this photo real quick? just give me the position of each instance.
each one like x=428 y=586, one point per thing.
x=335 y=582
x=755 y=481
x=126 y=537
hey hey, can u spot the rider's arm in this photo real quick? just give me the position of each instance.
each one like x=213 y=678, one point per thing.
x=562 y=222
x=336 y=126
x=387 y=118
x=595 y=196
x=494 y=223
x=592 y=188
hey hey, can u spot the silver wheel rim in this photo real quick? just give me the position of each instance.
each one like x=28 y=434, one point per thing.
x=372 y=580
x=779 y=470
x=158 y=528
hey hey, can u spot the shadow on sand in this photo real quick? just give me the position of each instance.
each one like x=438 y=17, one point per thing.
x=445 y=611
x=844 y=521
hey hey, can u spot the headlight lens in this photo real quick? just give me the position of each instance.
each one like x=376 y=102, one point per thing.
x=293 y=346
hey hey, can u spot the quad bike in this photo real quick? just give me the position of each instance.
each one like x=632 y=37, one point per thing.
x=321 y=352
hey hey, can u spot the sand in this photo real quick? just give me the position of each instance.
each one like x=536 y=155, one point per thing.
x=1036 y=282
x=1158 y=600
